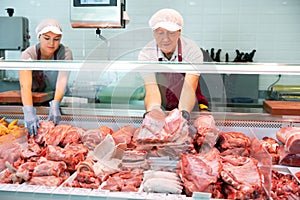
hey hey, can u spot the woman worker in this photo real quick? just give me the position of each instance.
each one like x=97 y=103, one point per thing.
x=49 y=33
x=171 y=90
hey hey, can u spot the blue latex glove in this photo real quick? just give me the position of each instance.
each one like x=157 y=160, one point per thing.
x=31 y=119
x=54 y=112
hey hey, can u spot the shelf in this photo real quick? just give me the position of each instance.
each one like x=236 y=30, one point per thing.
x=150 y=67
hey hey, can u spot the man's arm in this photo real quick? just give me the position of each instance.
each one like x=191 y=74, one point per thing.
x=153 y=96
x=187 y=97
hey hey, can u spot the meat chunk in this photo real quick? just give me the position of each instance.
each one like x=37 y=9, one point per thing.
x=199 y=171
x=290 y=137
x=91 y=138
x=234 y=142
x=243 y=177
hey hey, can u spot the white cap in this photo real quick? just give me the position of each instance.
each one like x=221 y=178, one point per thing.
x=166 y=18
x=48 y=25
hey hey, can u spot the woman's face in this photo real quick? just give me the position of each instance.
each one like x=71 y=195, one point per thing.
x=49 y=42
x=166 y=40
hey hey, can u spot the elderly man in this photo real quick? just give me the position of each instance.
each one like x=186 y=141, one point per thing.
x=171 y=90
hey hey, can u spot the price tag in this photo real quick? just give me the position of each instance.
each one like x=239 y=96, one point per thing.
x=45 y=189
x=156 y=196
x=63 y=190
x=80 y=191
x=176 y=197
x=99 y=193
x=28 y=188
x=11 y=187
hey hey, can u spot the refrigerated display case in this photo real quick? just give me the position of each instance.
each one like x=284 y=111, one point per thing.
x=80 y=112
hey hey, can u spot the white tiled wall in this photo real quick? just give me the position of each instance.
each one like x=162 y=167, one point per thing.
x=272 y=27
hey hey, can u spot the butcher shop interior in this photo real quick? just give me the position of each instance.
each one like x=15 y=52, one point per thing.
x=104 y=142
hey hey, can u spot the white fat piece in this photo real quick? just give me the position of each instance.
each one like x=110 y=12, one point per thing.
x=160 y=174
x=162 y=185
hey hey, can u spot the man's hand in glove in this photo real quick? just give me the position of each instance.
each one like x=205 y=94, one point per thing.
x=31 y=119
x=54 y=112
x=154 y=119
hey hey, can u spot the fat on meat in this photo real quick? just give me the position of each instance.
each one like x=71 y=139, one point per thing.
x=172 y=128
x=46 y=167
x=57 y=134
x=243 y=174
x=290 y=137
x=105 y=130
x=72 y=136
x=10 y=152
x=33 y=150
x=124 y=135
x=162 y=185
x=199 y=171
x=204 y=122
x=154 y=121
x=44 y=130
x=173 y=121
x=91 y=138
x=46 y=180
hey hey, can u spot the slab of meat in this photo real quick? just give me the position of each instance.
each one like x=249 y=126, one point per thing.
x=44 y=130
x=33 y=150
x=204 y=122
x=72 y=136
x=284 y=186
x=46 y=180
x=10 y=152
x=72 y=154
x=46 y=167
x=124 y=181
x=290 y=137
x=288 y=159
x=154 y=121
x=242 y=176
x=57 y=134
x=207 y=133
x=170 y=129
x=86 y=179
x=91 y=138
x=272 y=146
x=124 y=135
x=106 y=130
x=199 y=171
x=233 y=140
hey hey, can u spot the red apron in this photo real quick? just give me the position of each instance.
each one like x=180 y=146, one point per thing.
x=39 y=78
x=171 y=84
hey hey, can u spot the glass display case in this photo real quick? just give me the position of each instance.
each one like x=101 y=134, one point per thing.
x=105 y=93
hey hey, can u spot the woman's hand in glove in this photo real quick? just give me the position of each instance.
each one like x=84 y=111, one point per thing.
x=54 y=112
x=31 y=119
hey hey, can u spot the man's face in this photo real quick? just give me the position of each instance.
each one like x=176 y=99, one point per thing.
x=166 y=40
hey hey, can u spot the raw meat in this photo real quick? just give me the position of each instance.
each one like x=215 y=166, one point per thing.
x=91 y=138
x=290 y=137
x=242 y=176
x=199 y=171
x=233 y=140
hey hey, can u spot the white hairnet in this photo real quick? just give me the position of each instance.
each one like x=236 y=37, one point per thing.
x=48 y=25
x=166 y=18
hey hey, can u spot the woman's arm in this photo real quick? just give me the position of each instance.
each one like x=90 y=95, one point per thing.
x=25 y=78
x=61 y=84
x=187 y=97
